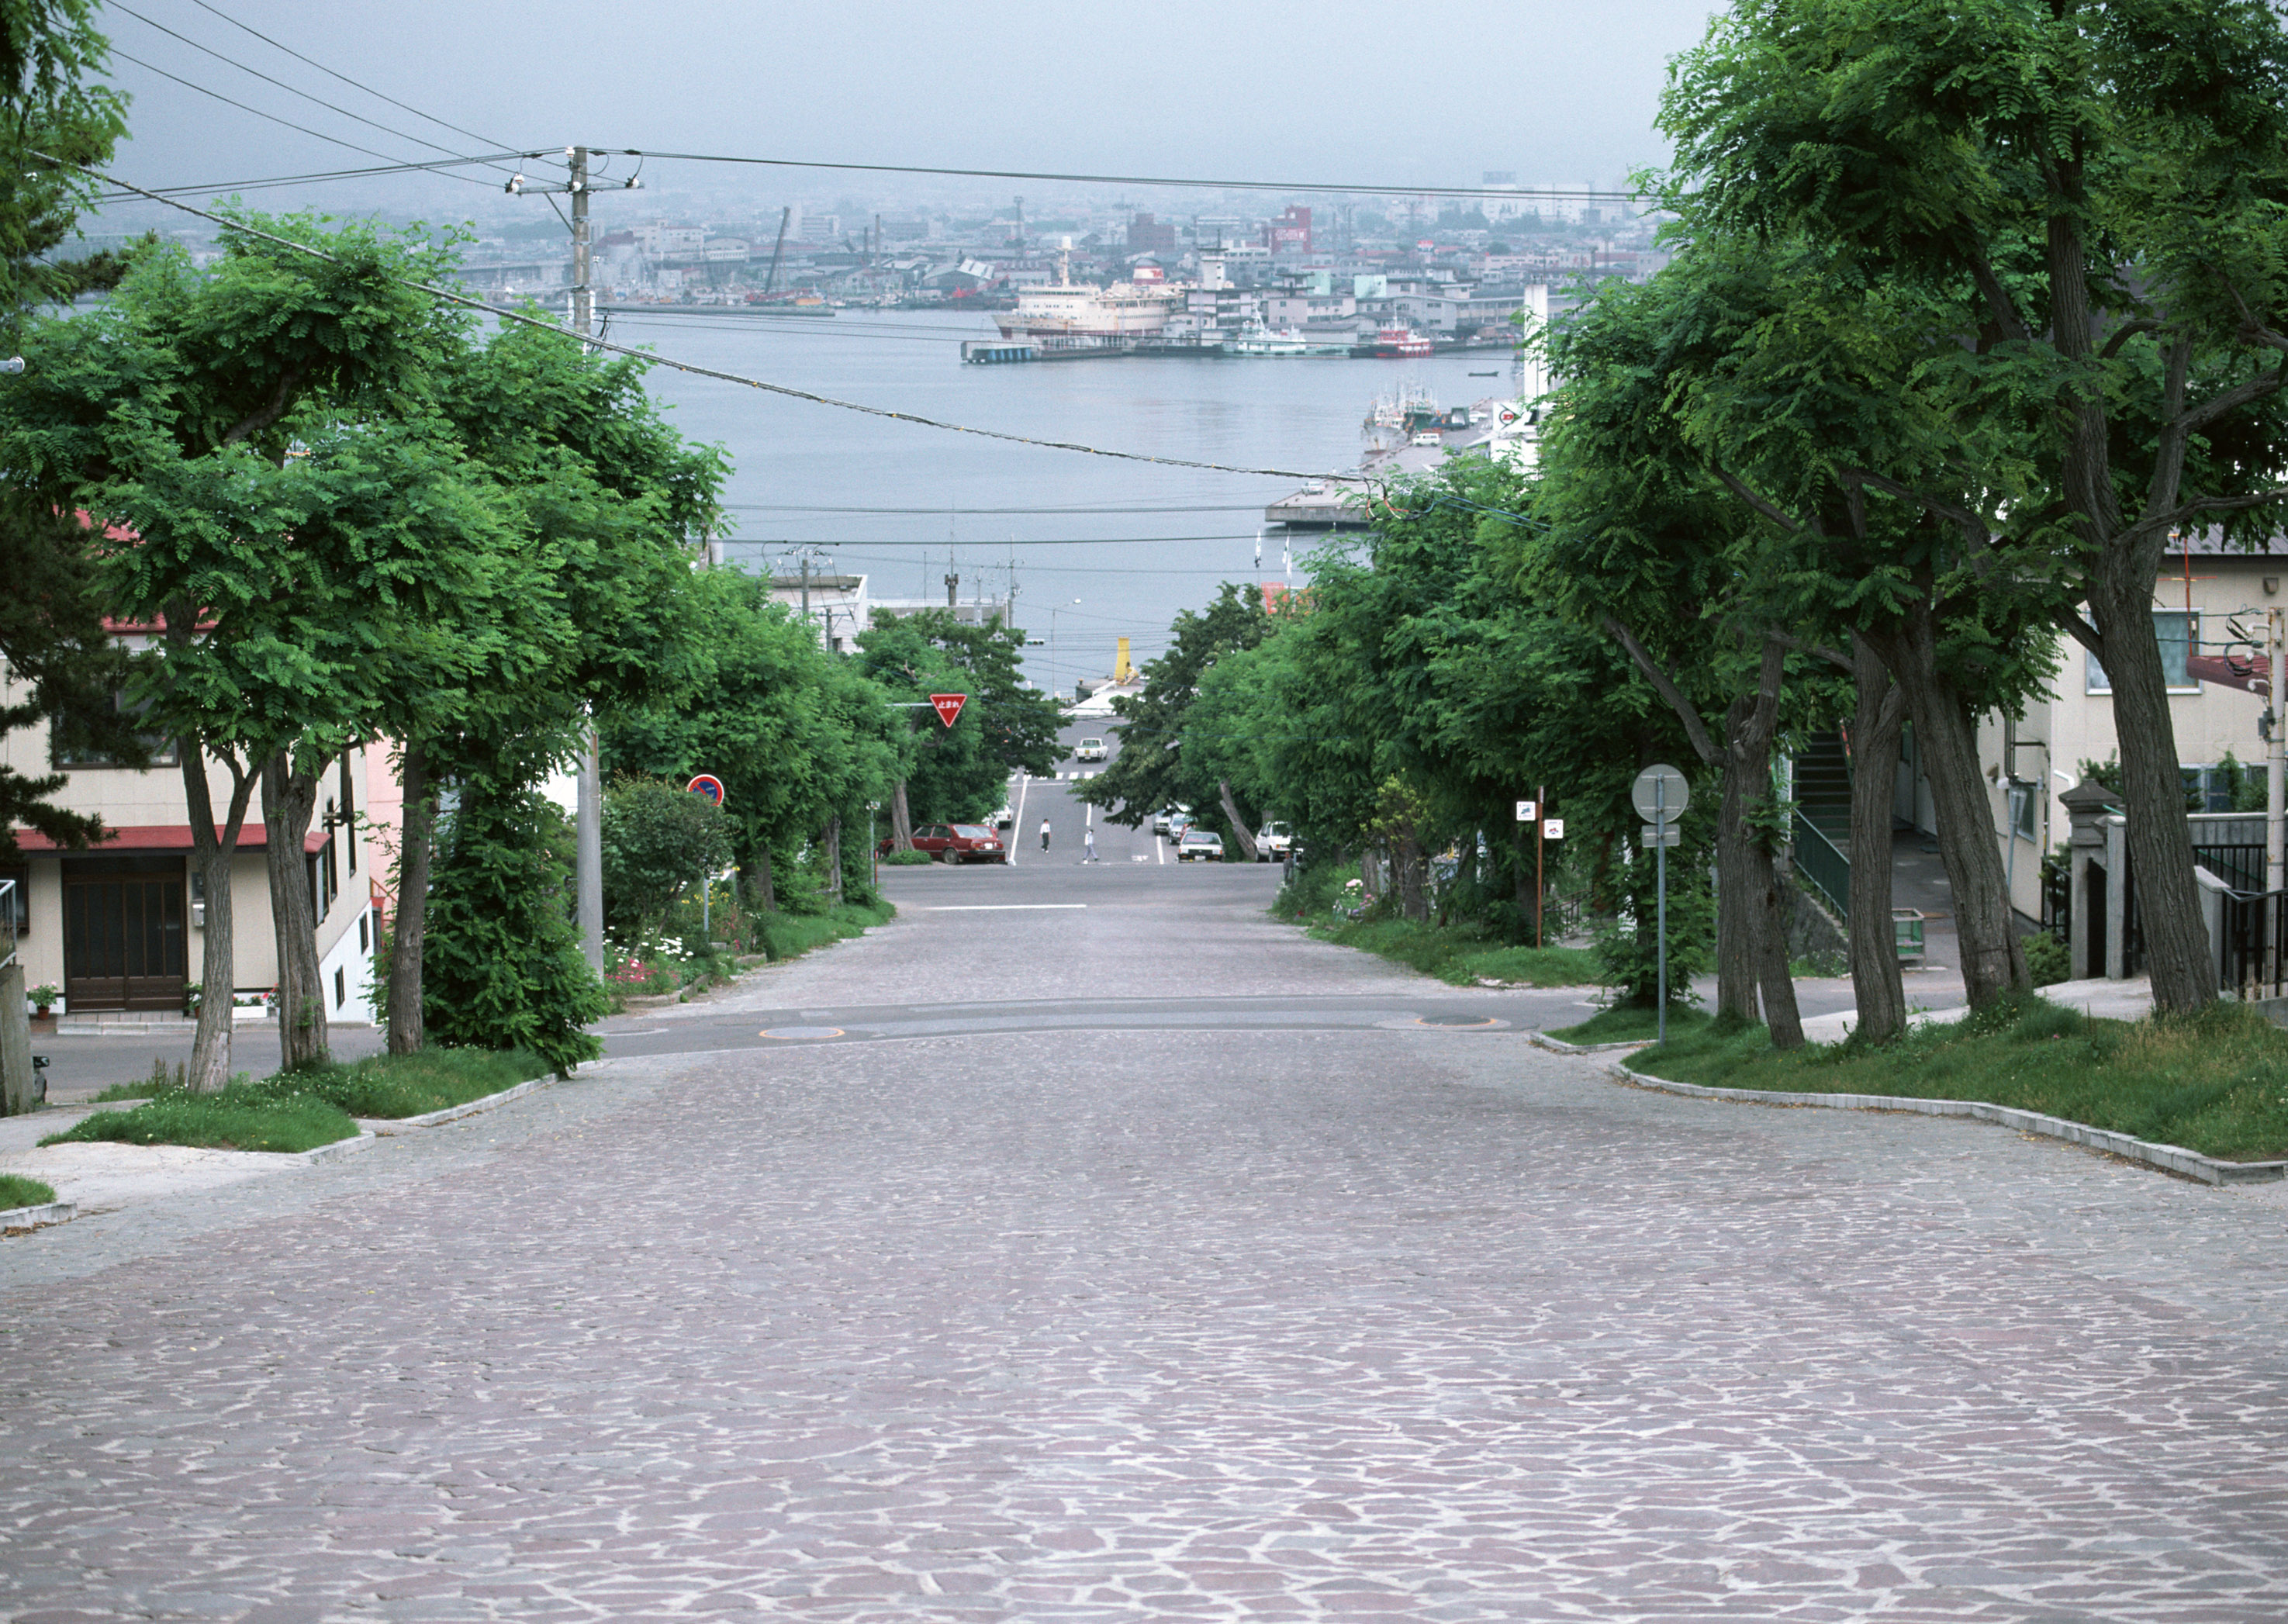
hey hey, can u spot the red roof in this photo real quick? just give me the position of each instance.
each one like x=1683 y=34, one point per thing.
x=163 y=837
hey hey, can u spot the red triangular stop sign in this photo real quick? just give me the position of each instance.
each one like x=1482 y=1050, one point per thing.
x=949 y=706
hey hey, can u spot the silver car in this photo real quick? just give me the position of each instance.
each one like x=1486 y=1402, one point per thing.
x=1200 y=846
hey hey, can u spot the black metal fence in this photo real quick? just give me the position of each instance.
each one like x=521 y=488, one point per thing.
x=2240 y=866
x=2250 y=960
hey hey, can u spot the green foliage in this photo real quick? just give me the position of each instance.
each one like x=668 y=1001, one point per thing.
x=1166 y=757
x=278 y=1114
x=658 y=840
x=17 y=1190
x=504 y=965
x=2215 y=1081
x=430 y=1079
x=906 y=860
x=786 y=936
x=1634 y=1023
x=1462 y=955
x=956 y=774
x=2048 y=959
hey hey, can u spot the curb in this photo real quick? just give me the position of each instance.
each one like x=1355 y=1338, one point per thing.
x=2169 y=1158
x=365 y=1140
x=431 y=1118
x=34 y=1217
x=1559 y=1046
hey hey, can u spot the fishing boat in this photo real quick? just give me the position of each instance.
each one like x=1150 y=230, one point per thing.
x=1400 y=342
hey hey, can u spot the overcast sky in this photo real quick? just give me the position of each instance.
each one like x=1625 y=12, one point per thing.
x=1341 y=90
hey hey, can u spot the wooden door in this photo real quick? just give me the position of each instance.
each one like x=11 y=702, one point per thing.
x=124 y=946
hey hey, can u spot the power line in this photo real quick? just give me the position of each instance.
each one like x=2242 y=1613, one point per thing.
x=259 y=113
x=1567 y=193
x=355 y=84
x=261 y=183
x=291 y=90
x=691 y=368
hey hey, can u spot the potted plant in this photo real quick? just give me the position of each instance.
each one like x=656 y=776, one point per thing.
x=43 y=999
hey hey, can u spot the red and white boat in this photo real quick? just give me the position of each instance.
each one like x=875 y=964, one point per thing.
x=1398 y=343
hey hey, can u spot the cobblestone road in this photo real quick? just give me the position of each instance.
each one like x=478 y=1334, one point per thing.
x=1175 y=1325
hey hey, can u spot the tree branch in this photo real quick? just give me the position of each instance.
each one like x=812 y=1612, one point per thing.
x=2113 y=345
x=2178 y=515
x=1764 y=505
x=282 y=401
x=1999 y=304
x=1978 y=540
x=1696 y=731
x=1833 y=656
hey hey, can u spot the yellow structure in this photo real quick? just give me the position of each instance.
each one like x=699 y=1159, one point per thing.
x=1121 y=669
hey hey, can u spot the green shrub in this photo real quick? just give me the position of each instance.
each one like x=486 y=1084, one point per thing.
x=905 y=859
x=17 y=1190
x=2048 y=959
x=502 y=968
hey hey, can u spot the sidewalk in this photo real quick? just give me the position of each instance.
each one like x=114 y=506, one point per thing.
x=2131 y=1000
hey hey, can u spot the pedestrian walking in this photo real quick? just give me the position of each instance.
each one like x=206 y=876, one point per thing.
x=1044 y=834
x=1088 y=845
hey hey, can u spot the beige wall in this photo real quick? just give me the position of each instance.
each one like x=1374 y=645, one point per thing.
x=2078 y=725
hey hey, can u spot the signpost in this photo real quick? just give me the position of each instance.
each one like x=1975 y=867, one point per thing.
x=1660 y=793
x=947 y=706
x=708 y=789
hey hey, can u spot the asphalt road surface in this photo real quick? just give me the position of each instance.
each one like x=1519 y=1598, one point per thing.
x=1084 y=1244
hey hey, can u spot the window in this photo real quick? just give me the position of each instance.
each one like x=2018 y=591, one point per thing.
x=2177 y=631
x=2021 y=798
x=69 y=747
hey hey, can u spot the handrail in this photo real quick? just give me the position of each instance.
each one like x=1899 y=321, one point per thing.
x=7 y=922
x=1827 y=869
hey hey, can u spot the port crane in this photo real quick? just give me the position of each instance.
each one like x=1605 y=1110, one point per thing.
x=772 y=279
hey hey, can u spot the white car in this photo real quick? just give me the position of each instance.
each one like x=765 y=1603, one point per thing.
x=1090 y=749
x=1005 y=817
x=1273 y=842
x=1200 y=846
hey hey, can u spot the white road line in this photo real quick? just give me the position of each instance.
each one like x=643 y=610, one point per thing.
x=997 y=907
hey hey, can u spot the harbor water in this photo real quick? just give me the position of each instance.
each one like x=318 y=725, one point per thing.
x=1129 y=544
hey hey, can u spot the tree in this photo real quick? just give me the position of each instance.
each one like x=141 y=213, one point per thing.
x=957 y=774
x=2092 y=193
x=168 y=416
x=1151 y=771
x=659 y=840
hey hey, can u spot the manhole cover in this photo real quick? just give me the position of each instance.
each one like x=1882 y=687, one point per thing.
x=1458 y=1020
x=803 y=1031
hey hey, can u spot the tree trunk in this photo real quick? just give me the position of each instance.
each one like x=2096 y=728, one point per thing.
x=1240 y=833
x=410 y=929
x=1737 y=962
x=18 y=1090
x=761 y=887
x=2153 y=795
x=834 y=858
x=1751 y=728
x=212 y=849
x=902 y=821
x=289 y=798
x=1993 y=964
x=1875 y=728
x=1411 y=901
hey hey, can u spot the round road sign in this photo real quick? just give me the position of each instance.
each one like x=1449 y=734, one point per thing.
x=709 y=786
x=1660 y=793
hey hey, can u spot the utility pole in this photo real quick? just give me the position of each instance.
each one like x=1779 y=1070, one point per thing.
x=2276 y=751
x=588 y=846
x=952 y=584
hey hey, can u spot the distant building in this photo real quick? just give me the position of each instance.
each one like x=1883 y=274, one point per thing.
x=1290 y=233
x=836 y=605
x=1147 y=235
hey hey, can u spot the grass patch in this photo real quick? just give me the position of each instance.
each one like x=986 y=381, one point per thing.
x=413 y=1085
x=1634 y=1023
x=1461 y=955
x=279 y=1113
x=15 y=1191
x=788 y=935
x=2215 y=1081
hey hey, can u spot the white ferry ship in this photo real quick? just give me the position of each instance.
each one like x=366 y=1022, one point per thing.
x=1084 y=316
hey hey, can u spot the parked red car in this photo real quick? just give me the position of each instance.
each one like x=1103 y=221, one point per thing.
x=955 y=843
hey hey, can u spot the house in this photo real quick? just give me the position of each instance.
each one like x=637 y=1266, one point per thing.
x=122 y=926
x=2209 y=606
x=837 y=605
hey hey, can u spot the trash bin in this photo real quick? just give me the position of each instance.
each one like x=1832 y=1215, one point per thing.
x=1907 y=934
